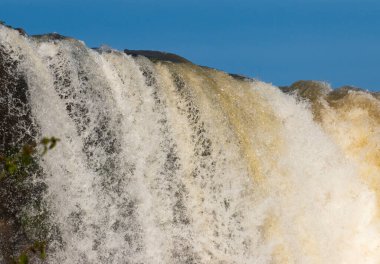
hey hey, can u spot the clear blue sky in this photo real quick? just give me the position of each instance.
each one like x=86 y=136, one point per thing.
x=276 y=41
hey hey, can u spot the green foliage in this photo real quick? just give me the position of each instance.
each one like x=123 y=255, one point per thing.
x=23 y=259
x=14 y=170
x=38 y=249
x=49 y=143
x=18 y=162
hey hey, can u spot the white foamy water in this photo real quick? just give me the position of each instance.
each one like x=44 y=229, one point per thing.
x=174 y=163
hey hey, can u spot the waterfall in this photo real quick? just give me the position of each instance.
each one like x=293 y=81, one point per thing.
x=163 y=162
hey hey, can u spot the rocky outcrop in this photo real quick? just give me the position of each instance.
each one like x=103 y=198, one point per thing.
x=157 y=55
x=312 y=90
x=14 y=114
x=320 y=96
x=17 y=129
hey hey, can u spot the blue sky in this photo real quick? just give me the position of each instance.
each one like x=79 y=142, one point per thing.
x=275 y=41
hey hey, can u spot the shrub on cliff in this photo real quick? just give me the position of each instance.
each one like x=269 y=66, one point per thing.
x=17 y=193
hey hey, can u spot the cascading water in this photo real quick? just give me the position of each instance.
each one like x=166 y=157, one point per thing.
x=163 y=162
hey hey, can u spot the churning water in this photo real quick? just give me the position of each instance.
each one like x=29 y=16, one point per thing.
x=163 y=162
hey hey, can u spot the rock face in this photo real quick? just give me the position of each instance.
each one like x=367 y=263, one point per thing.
x=157 y=55
x=320 y=94
x=308 y=89
x=16 y=129
x=312 y=90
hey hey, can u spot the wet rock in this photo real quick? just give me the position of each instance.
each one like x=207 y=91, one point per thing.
x=50 y=36
x=157 y=55
x=308 y=89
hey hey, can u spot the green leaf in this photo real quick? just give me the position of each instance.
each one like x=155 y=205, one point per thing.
x=53 y=142
x=49 y=143
x=45 y=141
x=40 y=247
x=43 y=253
x=26 y=160
x=2 y=175
x=26 y=154
x=10 y=166
x=23 y=259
